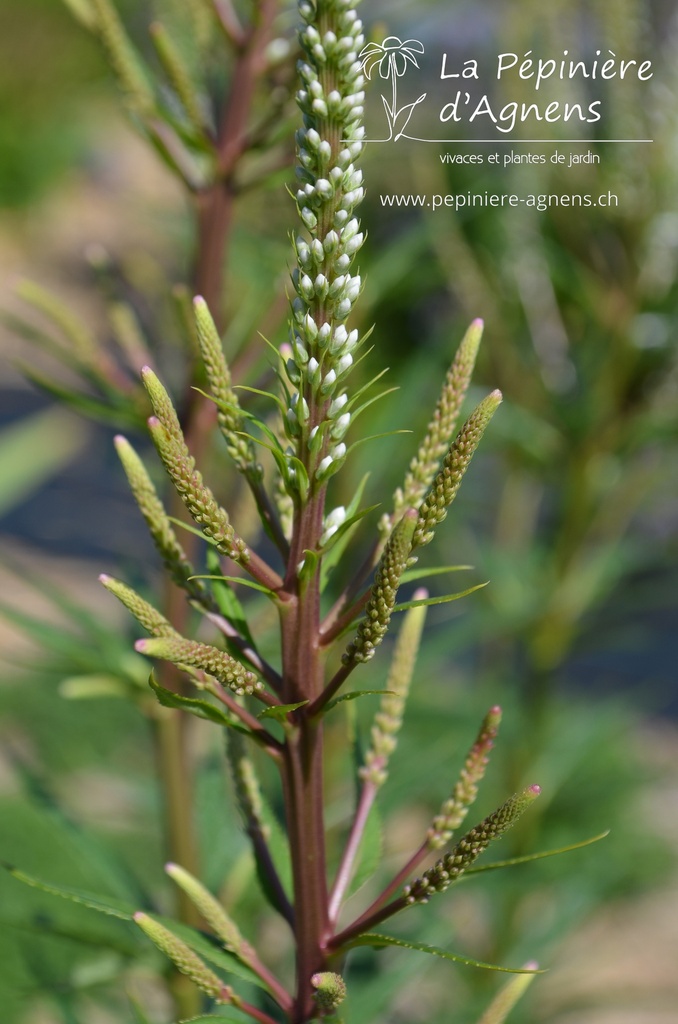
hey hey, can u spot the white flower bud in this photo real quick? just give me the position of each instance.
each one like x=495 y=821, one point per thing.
x=323 y=334
x=328 y=382
x=317 y=250
x=344 y=364
x=339 y=451
x=323 y=188
x=341 y=426
x=323 y=466
x=339 y=338
x=337 y=405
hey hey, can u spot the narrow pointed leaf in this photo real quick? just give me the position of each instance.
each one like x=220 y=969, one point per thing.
x=438 y=600
x=194 y=706
x=438 y=570
x=512 y=861
x=281 y=711
x=379 y=941
x=238 y=579
x=353 y=695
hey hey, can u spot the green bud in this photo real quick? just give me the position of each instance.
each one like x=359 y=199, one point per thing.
x=447 y=482
x=123 y=57
x=389 y=718
x=374 y=625
x=151 y=619
x=454 y=864
x=330 y=990
x=210 y=909
x=440 y=431
x=185 y=960
x=208 y=659
x=455 y=809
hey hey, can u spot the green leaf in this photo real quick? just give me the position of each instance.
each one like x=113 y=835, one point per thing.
x=227 y=601
x=192 y=529
x=35 y=449
x=199 y=943
x=352 y=696
x=379 y=941
x=281 y=711
x=94 y=686
x=237 y=579
x=201 y=708
x=438 y=600
x=495 y=865
x=103 y=904
x=418 y=574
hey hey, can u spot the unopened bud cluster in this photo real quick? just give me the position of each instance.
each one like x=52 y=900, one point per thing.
x=330 y=189
x=394 y=561
x=447 y=482
x=450 y=867
x=454 y=810
x=209 y=659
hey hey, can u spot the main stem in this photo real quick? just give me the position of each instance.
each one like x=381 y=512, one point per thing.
x=302 y=767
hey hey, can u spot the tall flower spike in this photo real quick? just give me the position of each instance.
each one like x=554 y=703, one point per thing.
x=185 y=960
x=123 y=57
x=440 y=431
x=151 y=619
x=374 y=625
x=208 y=659
x=212 y=911
x=454 y=864
x=229 y=414
x=157 y=520
x=330 y=189
x=389 y=718
x=455 y=809
x=197 y=497
x=443 y=490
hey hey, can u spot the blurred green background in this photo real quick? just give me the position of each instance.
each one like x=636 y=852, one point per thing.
x=570 y=511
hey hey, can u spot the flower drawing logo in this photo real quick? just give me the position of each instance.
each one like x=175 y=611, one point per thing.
x=392 y=58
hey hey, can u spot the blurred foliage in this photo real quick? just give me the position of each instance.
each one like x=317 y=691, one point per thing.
x=581 y=315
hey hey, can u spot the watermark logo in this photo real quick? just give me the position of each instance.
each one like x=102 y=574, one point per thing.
x=392 y=58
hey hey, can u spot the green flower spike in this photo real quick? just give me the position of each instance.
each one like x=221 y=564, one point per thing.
x=389 y=718
x=124 y=60
x=454 y=810
x=468 y=849
x=185 y=960
x=210 y=908
x=151 y=619
x=180 y=465
x=443 y=490
x=229 y=413
x=440 y=431
x=394 y=560
x=217 y=663
x=157 y=520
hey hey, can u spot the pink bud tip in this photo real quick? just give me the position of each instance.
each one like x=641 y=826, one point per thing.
x=170 y=865
x=496 y=710
x=140 y=916
x=496 y=394
x=534 y=789
x=140 y=645
x=145 y=370
x=531 y=965
x=119 y=439
x=478 y=322
x=198 y=300
x=104 y=578
x=420 y=594
x=153 y=421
